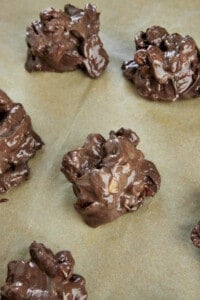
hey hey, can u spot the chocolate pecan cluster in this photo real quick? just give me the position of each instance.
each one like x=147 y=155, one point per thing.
x=66 y=40
x=165 y=66
x=18 y=143
x=44 y=276
x=195 y=235
x=110 y=177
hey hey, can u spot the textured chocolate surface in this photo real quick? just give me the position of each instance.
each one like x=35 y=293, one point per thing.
x=18 y=143
x=110 y=177
x=66 y=40
x=165 y=66
x=195 y=235
x=44 y=276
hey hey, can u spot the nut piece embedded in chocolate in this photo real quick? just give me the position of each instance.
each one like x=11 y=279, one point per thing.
x=18 y=143
x=110 y=177
x=45 y=276
x=66 y=40
x=165 y=66
x=195 y=235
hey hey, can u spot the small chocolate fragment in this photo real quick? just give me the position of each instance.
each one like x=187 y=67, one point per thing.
x=66 y=40
x=3 y=200
x=165 y=66
x=110 y=177
x=18 y=143
x=45 y=276
x=195 y=235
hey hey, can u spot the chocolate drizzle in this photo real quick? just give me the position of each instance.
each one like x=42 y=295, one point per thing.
x=110 y=177
x=18 y=143
x=165 y=66
x=44 y=277
x=66 y=40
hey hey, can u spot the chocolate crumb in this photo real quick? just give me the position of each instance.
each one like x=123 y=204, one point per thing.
x=3 y=200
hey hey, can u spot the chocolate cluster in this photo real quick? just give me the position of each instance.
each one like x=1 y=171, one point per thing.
x=165 y=66
x=18 y=143
x=66 y=40
x=110 y=177
x=44 y=277
x=195 y=235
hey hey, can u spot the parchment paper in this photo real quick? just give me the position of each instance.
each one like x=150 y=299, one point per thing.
x=144 y=255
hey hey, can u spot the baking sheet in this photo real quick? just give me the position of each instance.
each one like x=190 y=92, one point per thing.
x=144 y=255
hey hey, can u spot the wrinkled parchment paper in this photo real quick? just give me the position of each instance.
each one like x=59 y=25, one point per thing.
x=144 y=255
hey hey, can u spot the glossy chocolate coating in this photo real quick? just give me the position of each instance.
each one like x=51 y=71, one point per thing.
x=66 y=40
x=18 y=143
x=195 y=235
x=165 y=66
x=110 y=177
x=45 y=276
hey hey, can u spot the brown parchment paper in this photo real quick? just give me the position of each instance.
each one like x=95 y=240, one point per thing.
x=144 y=255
